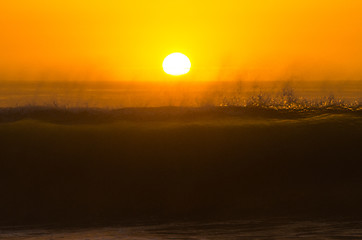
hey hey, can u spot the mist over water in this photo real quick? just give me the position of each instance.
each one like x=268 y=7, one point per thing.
x=111 y=94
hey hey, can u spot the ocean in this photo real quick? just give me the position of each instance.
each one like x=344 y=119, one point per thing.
x=289 y=229
x=264 y=166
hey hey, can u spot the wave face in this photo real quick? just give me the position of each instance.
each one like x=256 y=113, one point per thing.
x=63 y=115
x=96 y=165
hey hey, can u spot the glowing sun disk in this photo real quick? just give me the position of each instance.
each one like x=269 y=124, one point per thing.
x=176 y=64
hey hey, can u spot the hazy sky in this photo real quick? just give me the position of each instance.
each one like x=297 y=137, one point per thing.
x=128 y=39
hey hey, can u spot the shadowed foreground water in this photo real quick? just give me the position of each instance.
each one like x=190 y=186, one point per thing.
x=64 y=167
x=255 y=229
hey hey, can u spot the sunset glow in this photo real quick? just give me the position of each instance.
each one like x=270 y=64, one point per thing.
x=124 y=40
x=162 y=119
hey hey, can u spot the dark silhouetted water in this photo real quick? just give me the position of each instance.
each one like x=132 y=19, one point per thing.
x=256 y=229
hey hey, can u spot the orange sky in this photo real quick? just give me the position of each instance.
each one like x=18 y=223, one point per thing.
x=128 y=39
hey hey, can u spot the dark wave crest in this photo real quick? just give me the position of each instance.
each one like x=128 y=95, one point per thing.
x=94 y=165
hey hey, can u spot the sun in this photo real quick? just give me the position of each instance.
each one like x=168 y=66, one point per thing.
x=176 y=64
